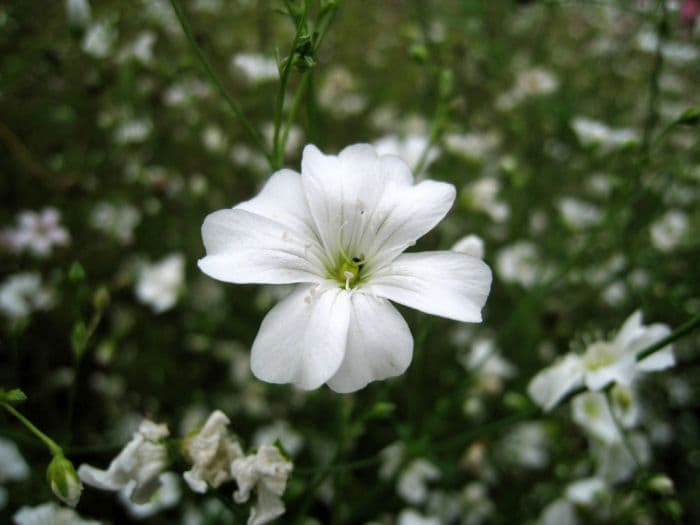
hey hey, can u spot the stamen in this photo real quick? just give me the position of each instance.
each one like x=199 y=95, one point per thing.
x=348 y=277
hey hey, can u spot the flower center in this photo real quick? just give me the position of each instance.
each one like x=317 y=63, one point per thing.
x=599 y=355
x=347 y=272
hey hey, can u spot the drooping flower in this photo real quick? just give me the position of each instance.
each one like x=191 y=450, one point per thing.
x=339 y=231
x=212 y=450
x=603 y=362
x=138 y=466
x=159 y=283
x=266 y=471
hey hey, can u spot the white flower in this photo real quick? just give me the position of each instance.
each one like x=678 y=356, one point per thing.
x=527 y=445
x=211 y=450
x=529 y=83
x=99 y=39
x=167 y=495
x=593 y=132
x=22 y=293
x=408 y=148
x=36 y=232
x=586 y=491
x=474 y=146
x=470 y=245
x=339 y=230
x=668 y=231
x=256 y=68
x=614 y=462
x=520 y=263
x=579 y=214
x=411 y=517
x=482 y=195
x=559 y=512
x=50 y=514
x=78 y=12
x=592 y=412
x=412 y=485
x=266 y=471
x=137 y=467
x=13 y=467
x=339 y=95
x=141 y=49
x=159 y=283
x=118 y=221
x=603 y=362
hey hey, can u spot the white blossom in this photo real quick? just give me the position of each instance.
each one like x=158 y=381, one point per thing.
x=211 y=451
x=593 y=132
x=78 y=12
x=137 y=468
x=116 y=220
x=669 y=230
x=49 y=514
x=411 y=517
x=267 y=472
x=36 y=233
x=408 y=148
x=470 y=245
x=159 y=284
x=520 y=263
x=412 y=484
x=559 y=512
x=585 y=492
x=255 y=67
x=13 y=467
x=603 y=362
x=23 y=293
x=579 y=214
x=339 y=230
x=99 y=39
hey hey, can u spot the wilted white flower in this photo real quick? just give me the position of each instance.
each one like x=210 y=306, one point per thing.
x=340 y=230
x=603 y=362
x=22 y=293
x=165 y=497
x=36 y=232
x=593 y=132
x=137 y=468
x=159 y=283
x=116 y=220
x=211 y=450
x=50 y=514
x=668 y=231
x=412 y=484
x=13 y=467
x=411 y=517
x=255 y=67
x=267 y=472
x=99 y=39
x=470 y=245
x=409 y=148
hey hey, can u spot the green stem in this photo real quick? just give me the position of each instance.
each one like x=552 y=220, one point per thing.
x=679 y=332
x=298 y=95
x=654 y=91
x=50 y=443
x=623 y=432
x=235 y=108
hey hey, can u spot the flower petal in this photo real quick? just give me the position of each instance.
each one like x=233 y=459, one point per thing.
x=448 y=284
x=244 y=247
x=302 y=339
x=380 y=344
x=550 y=385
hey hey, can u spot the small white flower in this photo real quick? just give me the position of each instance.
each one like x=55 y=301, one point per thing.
x=13 y=467
x=527 y=445
x=339 y=95
x=614 y=462
x=141 y=49
x=411 y=517
x=473 y=146
x=256 y=68
x=408 y=148
x=529 y=83
x=585 y=492
x=470 y=245
x=137 y=468
x=482 y=195
x=159 y=283
x=520 y=263
x=36 y=232
x=603 y=362
x=118 y=221
x=559 y=512
x=412 y=484
x=78 y=12
x=211 y=450
x=266 y=471
x=99 y=39
x=593 y=132
x=291 y=440
x=50 y=514
x=22 y=293
x=591 y=411
x=579 y=214
x=668 y=231
x=339 y=230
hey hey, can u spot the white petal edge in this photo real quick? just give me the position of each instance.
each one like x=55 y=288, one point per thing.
x=550 y=385
x=447 y=284
x=302 y=339
x=244 y=247
x=380 y=344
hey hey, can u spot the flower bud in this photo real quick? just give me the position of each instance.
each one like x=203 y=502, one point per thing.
x=63 y=479
x=661 y=484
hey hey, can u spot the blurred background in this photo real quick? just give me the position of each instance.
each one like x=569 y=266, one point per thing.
x=569 y=131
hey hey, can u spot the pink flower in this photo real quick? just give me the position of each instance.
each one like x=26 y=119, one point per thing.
x=689 y=11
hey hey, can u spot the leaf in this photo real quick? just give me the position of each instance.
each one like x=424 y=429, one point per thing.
x=14 y=396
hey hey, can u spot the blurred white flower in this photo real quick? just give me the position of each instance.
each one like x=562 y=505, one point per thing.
x=78 y=12
x=159 y=284
x=470 y=245
x=603 y=362
x=669 y=230
x=340 y=229
x=255 y=67
x=482 y=195
x=391 y=457
x=116 y=220
x=211 y=451
x=137 y=468
x=529 y=83
x=614 y=461
x=338 y=93
x=36 y=232
x=408 y=148
x=99 y=39
x=411 y=517
x=50 y=514
x=585 y=492
x=579 y=214
x=474 y=146
x=520 y=263
x=593 y=132
x=412 y=484
x=23 y=293
x=133 y=130
x=559 y=512
x=487 y=365
x=214 y=139
x=675 y=52
x=478 y=507
x=591 y=411
x=291 y=440
x=165 y=497
x=527 y=445
x=140 y=49
x=266 y=471
x=13 y=467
